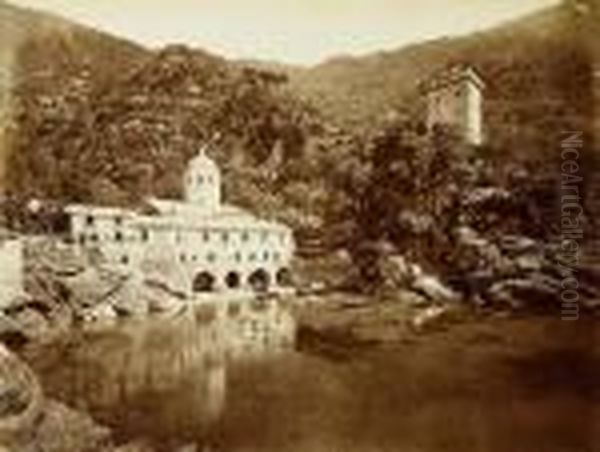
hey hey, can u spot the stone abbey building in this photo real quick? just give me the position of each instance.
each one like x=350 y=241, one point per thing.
x=195 y=245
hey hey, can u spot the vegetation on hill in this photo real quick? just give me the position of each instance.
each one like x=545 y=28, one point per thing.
x=98 y=120
x=81 y=138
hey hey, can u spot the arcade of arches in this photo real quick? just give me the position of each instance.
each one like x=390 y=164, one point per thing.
x=260 y=280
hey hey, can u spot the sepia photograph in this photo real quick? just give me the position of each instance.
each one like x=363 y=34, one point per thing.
x=299 y=226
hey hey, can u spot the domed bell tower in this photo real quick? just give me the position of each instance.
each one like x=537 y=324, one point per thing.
x=202 y=182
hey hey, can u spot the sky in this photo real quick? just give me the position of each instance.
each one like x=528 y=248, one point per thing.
x=290 y=31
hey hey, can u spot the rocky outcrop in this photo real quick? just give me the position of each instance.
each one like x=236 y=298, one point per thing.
x=409 y=279
x=63 y=287
x=30 y=422
x=511 y=271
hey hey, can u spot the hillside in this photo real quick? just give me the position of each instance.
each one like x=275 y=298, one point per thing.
x=37 y=49
x=532 y=65
x=93 y=129
x=98 y=119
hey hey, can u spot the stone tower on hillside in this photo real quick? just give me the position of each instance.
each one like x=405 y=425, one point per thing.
x=455 y=98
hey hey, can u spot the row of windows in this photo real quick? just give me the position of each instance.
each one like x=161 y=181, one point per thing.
x=225 y=237
x=212 y=257
x=90 y=220
x=238 y=257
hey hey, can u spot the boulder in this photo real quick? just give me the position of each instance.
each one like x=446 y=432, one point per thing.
x=100 y=313
x=128 y=299
x=90 y=288
x=433 y=288
x=61 y=429
x=21 y=400
x=411 y=298
x=160 y=300
x=536 y=291
x=429 y=317
x=11 y=332
x=529 y=263
x=31 y=322
x=31 y=423
x=135 y=446
x=515 y=245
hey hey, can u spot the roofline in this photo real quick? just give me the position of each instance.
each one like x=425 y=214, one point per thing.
x=449 y=76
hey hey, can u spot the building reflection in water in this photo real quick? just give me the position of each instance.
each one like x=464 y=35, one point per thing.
x=167 y=377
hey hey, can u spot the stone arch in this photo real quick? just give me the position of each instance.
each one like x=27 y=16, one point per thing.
x=233 y=280
x=204 y=282
x=259 y=280
x=283 y=277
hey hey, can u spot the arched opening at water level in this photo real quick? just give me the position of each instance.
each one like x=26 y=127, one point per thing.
x=204 y=282
x=259 y=280
x=284 y=277
x=233 y=280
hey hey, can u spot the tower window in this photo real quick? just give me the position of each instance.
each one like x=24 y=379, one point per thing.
x=206 y=236
x=145 y=235
x=118 y=236
x=211 y=257
x=200 y=180
x=125 y=260
x=245 y=236
x=225 y=237
x=89 y=220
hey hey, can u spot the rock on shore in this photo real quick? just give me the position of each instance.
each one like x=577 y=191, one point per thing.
x=31 y=423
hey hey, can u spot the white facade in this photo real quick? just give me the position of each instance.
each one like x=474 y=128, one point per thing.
x=455 y=99
x=11 y=271
x=198 y=245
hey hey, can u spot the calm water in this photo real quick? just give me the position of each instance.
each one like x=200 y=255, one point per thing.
x=231 y=380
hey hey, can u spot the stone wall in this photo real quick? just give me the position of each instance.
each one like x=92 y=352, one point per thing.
x=11 y=271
